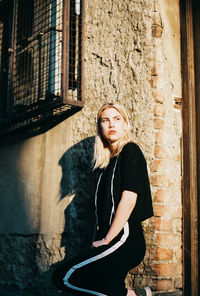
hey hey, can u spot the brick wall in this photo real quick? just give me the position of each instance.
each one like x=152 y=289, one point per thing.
x=163 y=269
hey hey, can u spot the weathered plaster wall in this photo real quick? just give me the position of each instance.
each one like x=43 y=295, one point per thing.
x=132 y=55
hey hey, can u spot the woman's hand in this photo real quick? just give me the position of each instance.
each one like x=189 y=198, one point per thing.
x=100 y=243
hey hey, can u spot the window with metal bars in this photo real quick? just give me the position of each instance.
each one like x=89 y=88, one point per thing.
x=41 y=51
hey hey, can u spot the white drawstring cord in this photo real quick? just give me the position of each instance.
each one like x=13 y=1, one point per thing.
x=112 y=195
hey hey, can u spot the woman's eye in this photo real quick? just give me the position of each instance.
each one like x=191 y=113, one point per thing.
x=104 y=120
x=118 y=118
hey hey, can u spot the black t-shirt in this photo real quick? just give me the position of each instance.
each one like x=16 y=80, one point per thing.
x=132 y=175
x=129 y=172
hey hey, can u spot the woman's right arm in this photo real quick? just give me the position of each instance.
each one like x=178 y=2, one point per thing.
x=123 y=212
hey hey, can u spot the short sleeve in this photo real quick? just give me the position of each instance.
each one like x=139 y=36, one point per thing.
x=133 y=169
x=134 y=177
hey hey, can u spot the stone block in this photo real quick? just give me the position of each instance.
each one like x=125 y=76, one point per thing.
x=160 y=152
x=168 y=240
x=157 y=31
x=164 y=285
x=159 y=123
x=166 y=269
x=160 y=110
x=162 y=224
x=158 y=96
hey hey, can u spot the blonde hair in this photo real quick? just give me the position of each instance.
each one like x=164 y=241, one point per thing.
x=102 y=152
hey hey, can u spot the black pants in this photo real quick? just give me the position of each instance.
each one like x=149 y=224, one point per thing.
x=102 y=270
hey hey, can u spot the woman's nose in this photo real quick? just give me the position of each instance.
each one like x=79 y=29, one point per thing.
x=111 y=123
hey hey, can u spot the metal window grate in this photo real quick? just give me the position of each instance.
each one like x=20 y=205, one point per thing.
x=45 y=61
x=37 y=60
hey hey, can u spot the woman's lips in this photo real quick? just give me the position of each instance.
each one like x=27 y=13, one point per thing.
x=112 y=132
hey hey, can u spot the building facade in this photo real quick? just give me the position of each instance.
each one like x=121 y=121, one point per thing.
x=131 y=52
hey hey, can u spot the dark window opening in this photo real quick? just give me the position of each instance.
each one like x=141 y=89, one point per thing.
x=40 y=61
x=24 y=22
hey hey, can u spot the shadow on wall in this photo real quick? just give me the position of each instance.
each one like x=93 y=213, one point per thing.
x=78 y=182
x=18 y=232
x=26 y=258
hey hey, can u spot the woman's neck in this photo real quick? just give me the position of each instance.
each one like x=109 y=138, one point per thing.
x=113 y=147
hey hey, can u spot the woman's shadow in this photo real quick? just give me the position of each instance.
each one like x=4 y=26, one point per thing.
x=78 y=184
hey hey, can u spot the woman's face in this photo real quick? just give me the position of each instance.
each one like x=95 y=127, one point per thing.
x=112 y=125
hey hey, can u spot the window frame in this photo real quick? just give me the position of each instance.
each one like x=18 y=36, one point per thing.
x=67 y=106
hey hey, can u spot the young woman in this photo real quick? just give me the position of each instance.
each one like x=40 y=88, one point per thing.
x=122 y=202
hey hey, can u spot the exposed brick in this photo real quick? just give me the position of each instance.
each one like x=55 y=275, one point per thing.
x=154 y=81
x=177 y=225
x=160 y=152
x=159 y=138
x=176 y=212
x=159 y=210
x=159 y=165
x=159 y=123
x=153 y=71
x=159 y=181
x=178 y=254
x=151 y=253
x=177 y=157
x=156 y=6
x=162 y=224
x=156 y=69
x=157 y=52
x=178 y=283
x=157 y=31
x=158 y=96
x=156 y=19
x=166 y=269
x=160 y=254
x=160 y=195
x=163 y=254
x=164 y=285
x=160 y=110
x=168 y=239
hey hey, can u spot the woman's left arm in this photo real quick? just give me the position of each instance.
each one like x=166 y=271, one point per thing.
x=123 y=212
